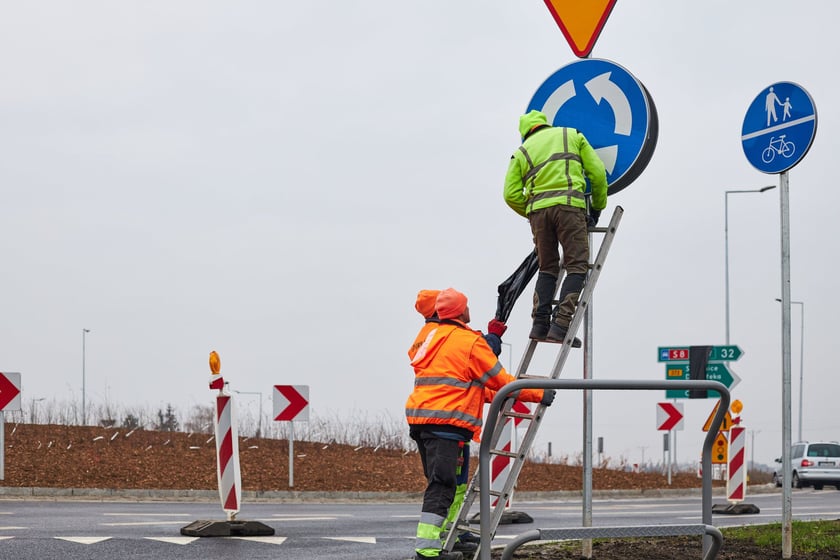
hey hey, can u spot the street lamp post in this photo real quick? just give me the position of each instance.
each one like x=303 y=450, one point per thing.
x=33 y=413
x=84 y=406
x=726 y=240
x=259 y=420
x=801 y=358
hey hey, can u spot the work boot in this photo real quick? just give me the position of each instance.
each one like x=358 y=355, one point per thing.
x=543 y=294
x=442 y=555
x=469 y=537
x=462 y=546
x=557 y=333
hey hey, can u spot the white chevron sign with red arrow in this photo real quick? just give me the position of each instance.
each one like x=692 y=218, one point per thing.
x=291 y=402
x=669 y=416
x=10 y=391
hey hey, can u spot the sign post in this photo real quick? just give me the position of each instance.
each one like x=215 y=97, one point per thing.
x=778 y=130
x=291 y=402
x=669 y=417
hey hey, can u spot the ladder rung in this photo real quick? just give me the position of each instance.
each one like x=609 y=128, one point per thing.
x=504 y=453
x=492 y=492
x=523 y=415
x=532 y=376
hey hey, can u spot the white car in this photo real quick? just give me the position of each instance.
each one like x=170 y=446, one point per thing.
x=814 y=464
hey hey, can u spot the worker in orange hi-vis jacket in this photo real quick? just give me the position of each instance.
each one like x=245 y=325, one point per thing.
x=425 y=305
x=454 y=367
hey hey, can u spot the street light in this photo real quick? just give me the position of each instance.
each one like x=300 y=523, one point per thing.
x=726 y=240
x=84 y=409
x=801 y=358
x=33 y=416
x=259 y=420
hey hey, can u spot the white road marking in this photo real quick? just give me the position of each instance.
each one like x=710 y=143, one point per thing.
x=140 y=523
x=116 y=514
x=173 y=540
x=83 y=540
x=365 y=540
x=266 y=540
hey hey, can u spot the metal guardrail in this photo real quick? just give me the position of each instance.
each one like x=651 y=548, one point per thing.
x=576 y=533
x=711 y=536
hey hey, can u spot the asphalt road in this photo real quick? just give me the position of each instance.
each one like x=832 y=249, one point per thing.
x=95 y=530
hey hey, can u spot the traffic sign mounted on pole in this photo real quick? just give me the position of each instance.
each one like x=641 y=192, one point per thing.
x=714 y=372
x=291 y=402
x=724 y=426
x=610 y=107
x=726 y=353
x=669 y=416
x=581 y=22
x=9 y=391
x=779 y=127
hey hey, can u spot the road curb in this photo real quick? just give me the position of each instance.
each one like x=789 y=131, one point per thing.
x=106 y=494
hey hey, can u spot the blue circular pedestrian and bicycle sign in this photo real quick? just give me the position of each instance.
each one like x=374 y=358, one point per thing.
x=779 y=127
x=610 y=107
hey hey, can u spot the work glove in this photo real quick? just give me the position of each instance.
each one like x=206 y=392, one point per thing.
x=548 y=397
x=496 y=327
x=592 y=219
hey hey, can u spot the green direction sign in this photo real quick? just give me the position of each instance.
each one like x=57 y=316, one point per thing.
x=728 y=353
x=714 y=372
x=724 y=354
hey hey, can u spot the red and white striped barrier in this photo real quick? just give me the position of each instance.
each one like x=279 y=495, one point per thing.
x=227 y=443
x=500 y=465
x=736 y=471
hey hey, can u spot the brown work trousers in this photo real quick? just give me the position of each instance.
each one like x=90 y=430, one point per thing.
x=561 y=226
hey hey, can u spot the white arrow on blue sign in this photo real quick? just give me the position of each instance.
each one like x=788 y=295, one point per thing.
x=779 y=127
x=610 y=107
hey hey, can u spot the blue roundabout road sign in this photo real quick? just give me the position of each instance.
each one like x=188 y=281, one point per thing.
x=779 y=127
x=610 y=107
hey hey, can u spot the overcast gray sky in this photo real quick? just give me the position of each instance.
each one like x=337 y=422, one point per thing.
x=276 y=180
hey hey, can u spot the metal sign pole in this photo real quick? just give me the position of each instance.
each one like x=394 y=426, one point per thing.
x=586 y=544
x=291 y=453
x=2 y=445
x=787 y=530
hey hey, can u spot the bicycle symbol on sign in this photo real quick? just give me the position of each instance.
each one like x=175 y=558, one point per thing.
x=777 y=146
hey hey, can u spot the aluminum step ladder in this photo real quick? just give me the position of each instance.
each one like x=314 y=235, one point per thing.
x=534 y=418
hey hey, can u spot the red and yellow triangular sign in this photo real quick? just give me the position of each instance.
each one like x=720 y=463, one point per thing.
x=580 y=21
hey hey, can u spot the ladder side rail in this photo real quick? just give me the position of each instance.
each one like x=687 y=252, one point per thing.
x=588 y=288
x=516 y=466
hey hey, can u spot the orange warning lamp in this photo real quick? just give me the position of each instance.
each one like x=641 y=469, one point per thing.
x=215 y=363
x=737 y=406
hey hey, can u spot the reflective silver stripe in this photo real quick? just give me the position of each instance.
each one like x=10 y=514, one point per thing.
x=569 y=192
x=572 y=193
x=492 y=372
x=428 y=541
x=554 y=157
x=433 y=547
x=443 y=415
x=443 y=380
x=431 y=518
